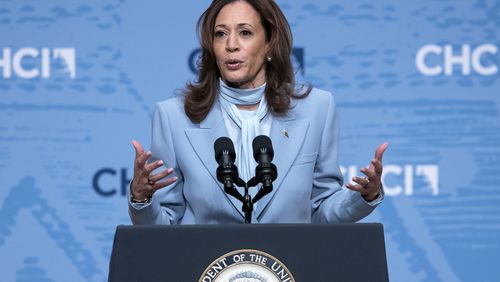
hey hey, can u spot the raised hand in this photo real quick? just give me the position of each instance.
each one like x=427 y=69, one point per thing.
x=145 y=183
x=369 y=186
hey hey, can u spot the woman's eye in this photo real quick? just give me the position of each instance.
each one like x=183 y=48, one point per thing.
x=246 y=33
x=219 y=33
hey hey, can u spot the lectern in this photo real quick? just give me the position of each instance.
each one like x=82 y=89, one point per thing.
x=258 y=252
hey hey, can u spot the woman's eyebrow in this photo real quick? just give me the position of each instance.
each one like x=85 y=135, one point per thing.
x=239 y=25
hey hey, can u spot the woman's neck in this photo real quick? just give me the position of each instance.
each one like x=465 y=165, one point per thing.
x=248 y=107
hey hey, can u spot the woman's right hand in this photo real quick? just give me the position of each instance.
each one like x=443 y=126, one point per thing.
x=144 y=183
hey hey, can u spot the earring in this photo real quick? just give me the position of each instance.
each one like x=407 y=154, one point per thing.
x=269 y=59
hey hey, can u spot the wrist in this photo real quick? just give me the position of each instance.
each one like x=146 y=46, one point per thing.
x=371 y=197
x=139 y=200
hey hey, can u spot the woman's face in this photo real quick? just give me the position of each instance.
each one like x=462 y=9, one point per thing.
x=240 y=45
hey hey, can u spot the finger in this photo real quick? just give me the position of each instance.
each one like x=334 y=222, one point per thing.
x=379 y=153
x=141 y=160
x=139 y=150
x=377 y=166
x=154 y=165
x=370 y=173
x=361 y=180
x=157 y=186
x=355 y=187
x=159 y=176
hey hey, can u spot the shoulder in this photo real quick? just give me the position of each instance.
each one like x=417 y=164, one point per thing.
x=317 y=100
x=171 y=109
x=171 y=104
x=320 y=95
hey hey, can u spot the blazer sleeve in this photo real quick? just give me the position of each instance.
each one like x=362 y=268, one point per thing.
x=329 y=201
x=167 y=205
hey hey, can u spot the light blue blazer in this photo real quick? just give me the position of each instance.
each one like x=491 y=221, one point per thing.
x=309 y=183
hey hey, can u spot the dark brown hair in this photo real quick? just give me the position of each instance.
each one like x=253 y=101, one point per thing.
x=280 y=89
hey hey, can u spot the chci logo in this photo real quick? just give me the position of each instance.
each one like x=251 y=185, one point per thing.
x=31 y=63
x=246 y=265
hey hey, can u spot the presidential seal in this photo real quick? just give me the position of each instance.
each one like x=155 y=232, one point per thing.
x=246 y=266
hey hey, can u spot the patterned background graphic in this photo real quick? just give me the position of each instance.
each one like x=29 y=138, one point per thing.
x=78 y=81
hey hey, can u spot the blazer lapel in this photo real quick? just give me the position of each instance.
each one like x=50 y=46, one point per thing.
x=202 y=140
x=287 y=135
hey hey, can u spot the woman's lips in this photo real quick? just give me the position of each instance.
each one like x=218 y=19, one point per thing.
x=233 y=64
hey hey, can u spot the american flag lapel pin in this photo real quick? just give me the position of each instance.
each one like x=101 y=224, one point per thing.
x=285 y=133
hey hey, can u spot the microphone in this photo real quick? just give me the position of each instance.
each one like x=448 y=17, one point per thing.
x=265 y=172
x=227 y=172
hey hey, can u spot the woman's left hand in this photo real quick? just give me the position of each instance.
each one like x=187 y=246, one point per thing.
x=369 y=186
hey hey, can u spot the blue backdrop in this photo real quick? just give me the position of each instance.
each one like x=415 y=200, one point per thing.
x=78 y=80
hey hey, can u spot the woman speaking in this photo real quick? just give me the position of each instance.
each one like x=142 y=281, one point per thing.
x=246 y=88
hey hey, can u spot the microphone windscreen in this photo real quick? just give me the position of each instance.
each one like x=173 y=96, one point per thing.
x=224 y=144
x=262 y=144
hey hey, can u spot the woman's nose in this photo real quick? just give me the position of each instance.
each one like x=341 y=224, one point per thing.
x=232 y=43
